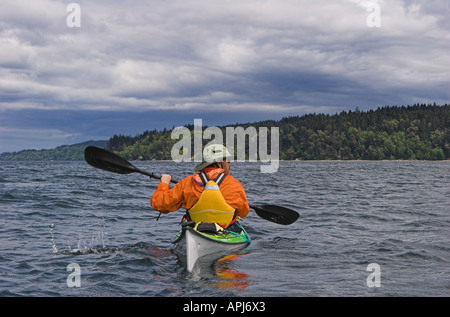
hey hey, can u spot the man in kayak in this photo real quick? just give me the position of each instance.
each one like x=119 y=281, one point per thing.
x=211 y=195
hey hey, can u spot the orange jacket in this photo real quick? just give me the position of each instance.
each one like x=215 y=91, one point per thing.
x=186 y=192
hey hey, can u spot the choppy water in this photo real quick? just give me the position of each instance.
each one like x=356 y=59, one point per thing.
x=394 y=214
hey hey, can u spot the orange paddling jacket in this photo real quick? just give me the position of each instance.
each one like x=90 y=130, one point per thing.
x=187 y=192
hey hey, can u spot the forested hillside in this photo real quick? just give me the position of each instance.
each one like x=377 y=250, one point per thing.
x=74 y=152
x=414 y=132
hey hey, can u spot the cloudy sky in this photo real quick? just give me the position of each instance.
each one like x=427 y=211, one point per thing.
x=138 y=65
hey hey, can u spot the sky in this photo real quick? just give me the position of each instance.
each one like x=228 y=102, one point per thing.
x=124 y=67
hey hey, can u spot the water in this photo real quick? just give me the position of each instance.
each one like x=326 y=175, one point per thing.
x=394 y=214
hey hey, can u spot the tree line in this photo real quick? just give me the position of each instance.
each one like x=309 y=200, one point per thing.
x=419 y=132
x=74 y=152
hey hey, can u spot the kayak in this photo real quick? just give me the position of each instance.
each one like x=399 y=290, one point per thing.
x=193 y=243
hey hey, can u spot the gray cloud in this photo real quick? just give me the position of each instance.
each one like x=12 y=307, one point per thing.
x=200 y=56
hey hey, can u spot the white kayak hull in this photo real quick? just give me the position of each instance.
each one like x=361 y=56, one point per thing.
x=193 y=245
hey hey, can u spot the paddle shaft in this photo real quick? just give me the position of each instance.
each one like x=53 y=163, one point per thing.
x=153 y=175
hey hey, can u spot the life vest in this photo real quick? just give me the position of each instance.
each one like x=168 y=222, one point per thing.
x=211 y=206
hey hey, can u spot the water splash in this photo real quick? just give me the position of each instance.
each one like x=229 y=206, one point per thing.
x=52 y=240
x=84 y=245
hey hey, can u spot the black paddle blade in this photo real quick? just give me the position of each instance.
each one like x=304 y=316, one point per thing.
x=276 y=214
x=108 y=161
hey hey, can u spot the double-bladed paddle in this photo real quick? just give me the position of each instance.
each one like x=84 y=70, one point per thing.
x=108 y=161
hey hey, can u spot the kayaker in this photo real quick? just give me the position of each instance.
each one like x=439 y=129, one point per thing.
x=199 y=195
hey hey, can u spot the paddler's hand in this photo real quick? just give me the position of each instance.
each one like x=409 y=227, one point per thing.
x=165 y=178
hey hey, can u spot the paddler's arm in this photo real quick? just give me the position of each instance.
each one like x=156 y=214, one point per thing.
x=234 y=194
x=166 y=200
x=242 y=207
